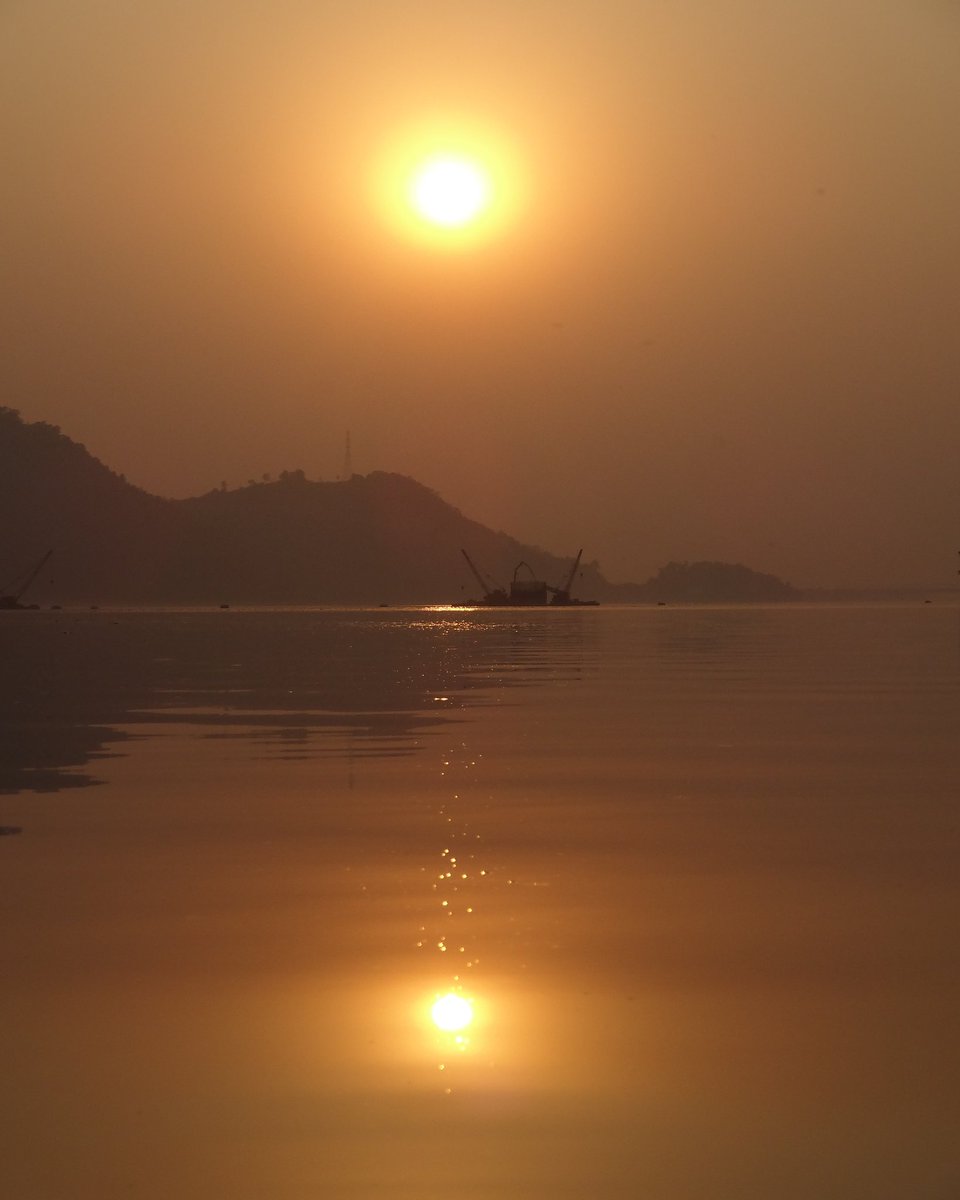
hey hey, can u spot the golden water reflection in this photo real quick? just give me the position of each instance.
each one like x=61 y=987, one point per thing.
x=452 y=1013
x=706 y=929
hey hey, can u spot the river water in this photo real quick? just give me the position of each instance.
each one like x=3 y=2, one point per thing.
x=695 y=871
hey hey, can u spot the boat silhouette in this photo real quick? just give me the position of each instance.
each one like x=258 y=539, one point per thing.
x=526 y=590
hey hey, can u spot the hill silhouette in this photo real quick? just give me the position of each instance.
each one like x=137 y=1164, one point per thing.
x=715 y=582
x=378 y=538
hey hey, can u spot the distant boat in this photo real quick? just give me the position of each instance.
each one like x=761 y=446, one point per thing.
x=526 y=590
x=10 y=596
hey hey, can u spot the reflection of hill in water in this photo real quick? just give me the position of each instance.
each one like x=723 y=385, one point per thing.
x=701 y=636
x=299 y=683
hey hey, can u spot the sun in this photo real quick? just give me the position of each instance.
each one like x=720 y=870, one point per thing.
x=449 y=191
x=450 y=184
x=451 y=1013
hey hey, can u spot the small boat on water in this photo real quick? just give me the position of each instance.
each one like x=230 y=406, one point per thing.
x=526 y=590
x=11 y=595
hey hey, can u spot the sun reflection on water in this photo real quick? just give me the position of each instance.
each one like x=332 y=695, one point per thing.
x=448 y=932
x=452 y=1012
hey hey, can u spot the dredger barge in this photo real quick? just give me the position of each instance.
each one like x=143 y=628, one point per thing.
x=11 y=594
x=526 y=590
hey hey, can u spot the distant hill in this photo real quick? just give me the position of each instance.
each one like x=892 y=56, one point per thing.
x=108 y=537
x=715 y=582
x=378 y=538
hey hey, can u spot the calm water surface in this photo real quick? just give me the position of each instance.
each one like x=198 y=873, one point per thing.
x=695 y=869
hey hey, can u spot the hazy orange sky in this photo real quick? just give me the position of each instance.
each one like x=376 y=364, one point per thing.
x=718 y=321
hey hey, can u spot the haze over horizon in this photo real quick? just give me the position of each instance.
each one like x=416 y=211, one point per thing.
x=714 y=315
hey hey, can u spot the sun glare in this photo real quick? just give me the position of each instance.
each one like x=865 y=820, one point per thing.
x=450 y=185
x=451 y=1013
x=450 y=192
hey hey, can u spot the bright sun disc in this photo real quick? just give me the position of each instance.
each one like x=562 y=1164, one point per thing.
x=452 y=1013
x=450 y=191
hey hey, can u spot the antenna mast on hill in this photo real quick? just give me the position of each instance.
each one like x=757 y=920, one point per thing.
x=348 y=461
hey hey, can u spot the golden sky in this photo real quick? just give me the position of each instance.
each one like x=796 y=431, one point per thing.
x=711 y=311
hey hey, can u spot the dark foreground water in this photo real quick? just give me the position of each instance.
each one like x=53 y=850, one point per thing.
x=696 y=870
